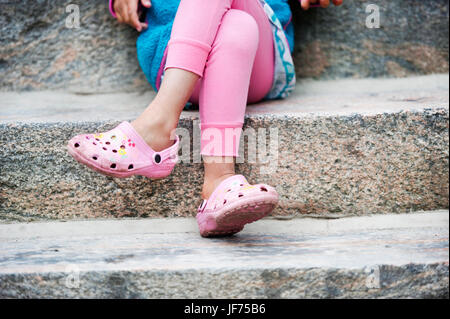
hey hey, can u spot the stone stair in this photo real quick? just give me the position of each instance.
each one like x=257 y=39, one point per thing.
x=40 y=51
x=361 y=165
x=339 y=148
x=354 y=160
x=380 y=256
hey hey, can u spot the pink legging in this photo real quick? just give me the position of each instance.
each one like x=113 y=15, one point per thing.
x=229 y=44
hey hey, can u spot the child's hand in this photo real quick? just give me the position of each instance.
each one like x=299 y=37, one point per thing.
x=127 y=12
x=323 y=3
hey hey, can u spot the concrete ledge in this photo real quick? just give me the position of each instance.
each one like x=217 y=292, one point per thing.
x=391 y=256
x=345 y=147
x=310 y=99
x=268 y=225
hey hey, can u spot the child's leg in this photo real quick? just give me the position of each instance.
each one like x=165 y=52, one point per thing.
x=223 y=95
x=193 y=33
x=161 y=117
x=239 y=70
x=192 y=42
x=208 y=38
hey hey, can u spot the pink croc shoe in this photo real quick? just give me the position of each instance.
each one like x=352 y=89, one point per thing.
x=233 y=204
x=122 y=153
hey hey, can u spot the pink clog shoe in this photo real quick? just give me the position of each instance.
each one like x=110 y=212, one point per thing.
x=122 y=153
x=233 y=204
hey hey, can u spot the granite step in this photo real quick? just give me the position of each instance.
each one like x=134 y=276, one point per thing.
x=334 y=148
x=378 y=256
x=45 y=50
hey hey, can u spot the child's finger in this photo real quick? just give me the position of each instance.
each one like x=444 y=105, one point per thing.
x=144 y=25
x=337 y=2
x=125 y=14
x=305 y=4
x=324 y=3
x=119 y=16
x=118 y=9
x=135 y=22
x=133 y=16
x=125 y=18
x=146 y=3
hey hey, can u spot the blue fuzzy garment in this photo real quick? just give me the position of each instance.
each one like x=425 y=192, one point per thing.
x=152 y=42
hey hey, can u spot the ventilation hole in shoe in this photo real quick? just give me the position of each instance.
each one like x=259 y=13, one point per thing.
x=224 y=201
x=107 y=143
x=94 y=143
x=241 y=185
x=263 y=189
x=130 y=166
x=94 y=158
x=122 y=147
x=113 y=165
x=97 y=139
x=228 y=190
x=77 y=145
x=157 y=158
x=105 y=149
x=87 y=137
x=114 y=151
x=240 y=195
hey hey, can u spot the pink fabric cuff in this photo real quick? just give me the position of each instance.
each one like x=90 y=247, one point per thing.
x=187 y=54
x=220 y=140
x=111 y=8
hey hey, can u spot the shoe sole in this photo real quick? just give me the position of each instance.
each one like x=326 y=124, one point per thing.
x=231 y=220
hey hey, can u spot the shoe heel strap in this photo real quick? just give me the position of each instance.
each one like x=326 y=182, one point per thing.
x=170 y=152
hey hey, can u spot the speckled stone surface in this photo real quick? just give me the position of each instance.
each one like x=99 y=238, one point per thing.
x=38 y=51
x=360 y=148
x=412 y=39
x=139 y=259
x=408 y=281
